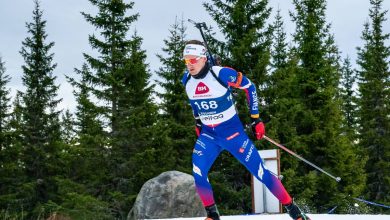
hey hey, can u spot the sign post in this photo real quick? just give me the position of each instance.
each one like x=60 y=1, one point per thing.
x=263 y=201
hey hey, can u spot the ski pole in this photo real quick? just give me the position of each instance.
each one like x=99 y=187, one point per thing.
x=199 y=26
x=338 y=179
x=372 y=203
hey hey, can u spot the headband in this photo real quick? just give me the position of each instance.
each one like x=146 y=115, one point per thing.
x=194 y=49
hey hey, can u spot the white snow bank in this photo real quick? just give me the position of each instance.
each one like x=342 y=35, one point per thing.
x=286 y=217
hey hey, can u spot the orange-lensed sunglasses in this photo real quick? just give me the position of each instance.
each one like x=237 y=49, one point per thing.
x=191 y=61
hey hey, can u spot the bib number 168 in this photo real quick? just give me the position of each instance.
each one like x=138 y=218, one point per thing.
x=206 y=105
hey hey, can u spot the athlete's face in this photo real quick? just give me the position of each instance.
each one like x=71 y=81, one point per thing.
x=194 y=63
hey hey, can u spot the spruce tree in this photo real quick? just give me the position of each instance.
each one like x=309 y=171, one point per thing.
x=279 y=62
x=4 y=105
x=109 y=77
x=67 y=128
x=279 y=50
x=348 y=96
x=247 y=36
x=7 y=161
x=41 y=127
x=374 y=130
x=119 y=81
x=279 y=96
x=145 y=134
x=317 y=116
x=86 y=157
x=12 y=174
x=90 y=152
x=171 y=73
x=87 y=115
x=175 y=107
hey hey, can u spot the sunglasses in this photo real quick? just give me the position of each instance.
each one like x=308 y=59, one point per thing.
x=192 y=61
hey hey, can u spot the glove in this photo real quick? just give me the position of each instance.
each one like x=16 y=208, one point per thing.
x=258 y=128
x=198 y=126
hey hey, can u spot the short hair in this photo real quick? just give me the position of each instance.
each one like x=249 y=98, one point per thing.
x=197 y=42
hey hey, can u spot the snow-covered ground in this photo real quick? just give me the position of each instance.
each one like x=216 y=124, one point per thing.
x=286 y=217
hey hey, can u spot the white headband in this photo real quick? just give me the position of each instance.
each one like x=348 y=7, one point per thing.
x=194 y=49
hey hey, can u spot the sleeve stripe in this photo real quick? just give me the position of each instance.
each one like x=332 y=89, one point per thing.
x=246 y=86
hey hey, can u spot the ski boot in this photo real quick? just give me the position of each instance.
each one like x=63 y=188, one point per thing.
x=212 y=212
x=296 y=213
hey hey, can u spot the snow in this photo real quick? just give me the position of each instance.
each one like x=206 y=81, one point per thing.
x=286 y=217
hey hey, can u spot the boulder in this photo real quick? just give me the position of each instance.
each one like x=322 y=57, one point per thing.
x=172 y=194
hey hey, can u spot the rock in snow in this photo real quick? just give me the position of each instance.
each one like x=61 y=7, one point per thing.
x=170 y=195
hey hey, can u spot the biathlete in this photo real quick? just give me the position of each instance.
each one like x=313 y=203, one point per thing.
x=219 y=128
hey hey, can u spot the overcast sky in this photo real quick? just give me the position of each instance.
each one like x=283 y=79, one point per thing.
x=69 y=30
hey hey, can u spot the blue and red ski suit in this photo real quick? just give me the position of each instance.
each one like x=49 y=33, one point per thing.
x=212 y=103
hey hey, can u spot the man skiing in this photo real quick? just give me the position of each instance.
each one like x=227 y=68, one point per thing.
x=219 y=128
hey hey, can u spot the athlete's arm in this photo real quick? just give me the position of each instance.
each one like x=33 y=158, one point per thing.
x=238 y=80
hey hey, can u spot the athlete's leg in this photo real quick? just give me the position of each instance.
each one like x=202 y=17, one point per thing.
x=242 y=148
x=204 y=155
